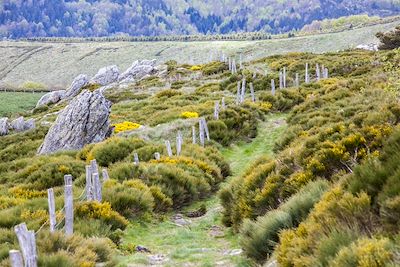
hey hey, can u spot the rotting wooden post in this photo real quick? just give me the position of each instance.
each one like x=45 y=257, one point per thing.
x=52 y=209
x=307 y=77
x=243 y=90
x=105 y=174
x=205 y=127
x=280 y=80
x=179 y=141
x=230 y=64
x=273 y=87
x=284 y=77
x=89 y=184
x=317 y=72
x=234 y=68
x=93 y=164
x=169 y=149
x=68 y=179
x=157 y=156
x=98 y=187
x=193 y=134
x=16 y=258
x=238 y=93
x=27 y=243
x=223 y=106
x=136 y=158
x=253 y=96
x=326 y=74
x=297 y=81
x=216 y=110
x=201 y=133
x=69 y=210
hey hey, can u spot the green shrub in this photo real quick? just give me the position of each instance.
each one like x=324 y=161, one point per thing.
x=214 y=68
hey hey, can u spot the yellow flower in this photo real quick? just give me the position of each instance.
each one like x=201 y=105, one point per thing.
x=196 y=68
x=125 y=126
x=189 y=114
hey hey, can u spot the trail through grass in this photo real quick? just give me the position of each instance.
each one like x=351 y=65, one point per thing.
x=12 y=102
x=205 y=241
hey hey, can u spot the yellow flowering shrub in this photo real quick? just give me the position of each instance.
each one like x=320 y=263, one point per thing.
x=7 y=202
x=23 y=193
x=189 y=115
x=125 y=126
x=41 y=215
x=196 y=68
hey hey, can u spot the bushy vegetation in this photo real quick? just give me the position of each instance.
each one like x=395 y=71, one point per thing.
x=389 y=40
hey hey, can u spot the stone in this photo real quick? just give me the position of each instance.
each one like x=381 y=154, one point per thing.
x=20 y=125
x=29 y=124
x=85 y=120
x=51 y=98
x=4 y=125
x=77 y=84
x=106 y=75
x=138 y=71
x=369 y=47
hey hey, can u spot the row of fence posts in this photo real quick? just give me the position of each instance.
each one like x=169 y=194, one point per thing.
x=27 y=239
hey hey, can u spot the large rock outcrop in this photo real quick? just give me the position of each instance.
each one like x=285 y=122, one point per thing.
x=85 y=120
x=75 y=88
x=106 y=75
x=138 y=71
x=51 y=98
x=4 y=125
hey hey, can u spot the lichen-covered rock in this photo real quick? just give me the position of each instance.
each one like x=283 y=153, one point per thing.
x=51 y=98
x=4 y=125
x=20 y=125
x=106 y=76
x=77 y=84
x=138 y=71
x=85 y=120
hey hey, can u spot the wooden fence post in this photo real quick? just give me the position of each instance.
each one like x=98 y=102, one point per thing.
x=93 y=164
x=317 y=72
x=193 y=134
x=216 y=110
x=241 y=60
x=136 y=158
x=205 y=127
x=179 y=141
x=97 y=187
x=105 y=175
x=16 y=258
x=297 y=81
x=169 y=149
x=284 y=77
x=307 y=77
x=238 y=93
x=273 y=87
x=223 y=103
x=89 y=184
x=157 y=156
x=201 y=133
x=27 y=243
x=280 y=80
x=253 y=97
x=52 y=209
x=69 y=209
x=243 y=90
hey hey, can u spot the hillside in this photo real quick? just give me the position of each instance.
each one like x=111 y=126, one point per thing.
x=165 y=17
x=54 y=65
x=305 y=175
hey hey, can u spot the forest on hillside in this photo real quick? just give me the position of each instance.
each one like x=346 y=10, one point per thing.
x=87 y=18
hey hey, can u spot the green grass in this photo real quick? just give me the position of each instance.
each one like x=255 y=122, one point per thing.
x=31 y=59
x=11 y=102
x=193 y=245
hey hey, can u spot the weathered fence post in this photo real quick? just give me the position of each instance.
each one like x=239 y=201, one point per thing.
x=157 y=156
x=307 y=77
x=317 y=72
x=253 y=97
x=280 y=80
x=89 y=184
x=16 y=258
x=52 y=209
x=93 y=164
x=193 y=134
x=216 y=110
x=69 y=207
x=136 y=158
x=98 y=187
x=241 y=61
x=243 y=90
x=169 y=149
x=201 y=133
x=234 y=68
x=27 y=243
x=230 y=64
x=105 y=174
x=284 y=77
x=205 y=127
x=179 y=141
x=326 y=74
x=223 y=106
x=238 y=93
x=297 y=81
x=273 y=87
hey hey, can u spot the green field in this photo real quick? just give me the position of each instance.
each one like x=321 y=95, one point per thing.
x=12 y=102
x=56 y=64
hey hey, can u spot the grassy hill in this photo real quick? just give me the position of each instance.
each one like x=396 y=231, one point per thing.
x=56 y=64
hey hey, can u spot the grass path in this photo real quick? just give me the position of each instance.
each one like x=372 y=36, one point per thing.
x=205 y=241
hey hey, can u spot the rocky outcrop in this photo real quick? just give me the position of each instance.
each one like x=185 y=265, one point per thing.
x=369 y=47
x=51 y=98
x=4 y=125
x=76 y=86
x=138 y=71
x=106 y=76
x=20 y=125
x=85 y=120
